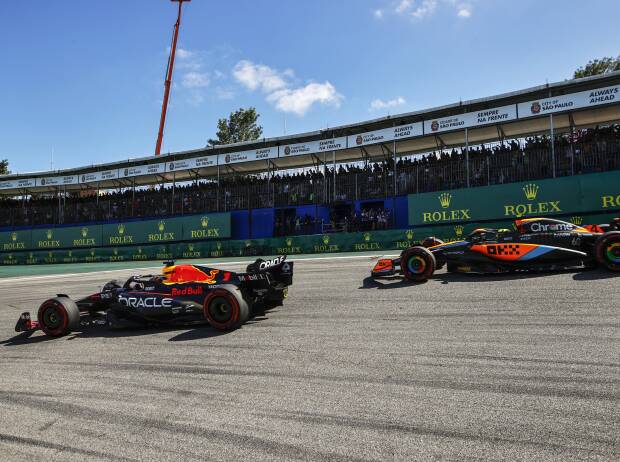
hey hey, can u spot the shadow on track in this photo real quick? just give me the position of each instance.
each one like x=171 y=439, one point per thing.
x=392 y=282
x=196 y=332
x=395 y=282
x=593 y=275
x=24 y=338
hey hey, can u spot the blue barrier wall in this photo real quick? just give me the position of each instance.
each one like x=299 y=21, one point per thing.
x=262 y=223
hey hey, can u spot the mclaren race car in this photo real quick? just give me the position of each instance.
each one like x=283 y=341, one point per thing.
x=182 y=295
x=537 y=244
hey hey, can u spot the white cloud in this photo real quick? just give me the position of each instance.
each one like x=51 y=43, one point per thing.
x=464 y=11
x=403 y=6
x=378 y=14
x=420 y=9
x=187 y=60
x=253 y=76
x=195 y=80
x=279 y=88
x=426 y=8
x=379 y=104
x=300 y=100
x=184 y=54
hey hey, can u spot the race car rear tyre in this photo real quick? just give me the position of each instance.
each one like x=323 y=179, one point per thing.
x=225 y=308
x=607 y=250
x=58 y=316
x=417 y=264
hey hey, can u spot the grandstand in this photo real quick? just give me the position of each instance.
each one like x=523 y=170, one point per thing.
x=359 y=177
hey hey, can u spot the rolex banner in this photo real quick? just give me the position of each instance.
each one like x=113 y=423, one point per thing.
x=597 y=192
x=72 y=237
x=195 y=227
x=142 y=232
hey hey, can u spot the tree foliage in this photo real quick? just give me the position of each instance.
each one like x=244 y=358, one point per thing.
x=4 y=167
x=240 y=126
x=598 y=66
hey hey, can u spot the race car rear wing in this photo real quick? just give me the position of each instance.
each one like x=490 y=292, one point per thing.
x=278 y=271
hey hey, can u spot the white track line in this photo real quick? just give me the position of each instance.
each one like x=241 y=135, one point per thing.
x=210 y=264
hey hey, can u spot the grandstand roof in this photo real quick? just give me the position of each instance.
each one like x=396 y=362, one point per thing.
x=519 y=113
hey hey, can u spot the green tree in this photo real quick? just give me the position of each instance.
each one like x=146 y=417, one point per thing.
x=4 y=167
x=598 y=66
x=240 y=126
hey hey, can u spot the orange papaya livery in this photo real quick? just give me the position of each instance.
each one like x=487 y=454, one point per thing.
x=385 y=264
x=505 y=252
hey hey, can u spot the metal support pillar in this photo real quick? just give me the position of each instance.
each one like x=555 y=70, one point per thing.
x=325 y=177
x=99 y=217
x=552 y=143
x=174 y=180
x=467 y=156
x=572 y=143
x=395 y=188
x=133 y=196
x=64 y=203
x=334 y=161
x=218 y=188
x=268 y=162
x=59 y=203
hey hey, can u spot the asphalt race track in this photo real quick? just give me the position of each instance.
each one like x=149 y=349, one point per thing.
x=462 y=367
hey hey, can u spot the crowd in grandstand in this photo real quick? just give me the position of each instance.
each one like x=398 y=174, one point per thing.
x=582 y=151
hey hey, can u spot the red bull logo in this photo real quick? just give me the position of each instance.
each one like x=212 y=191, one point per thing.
x=187 y=291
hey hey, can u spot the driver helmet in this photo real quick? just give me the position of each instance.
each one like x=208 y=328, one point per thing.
x=431 y=241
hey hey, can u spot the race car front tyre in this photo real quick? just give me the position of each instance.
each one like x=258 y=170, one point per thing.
x=58 y=316
x=607 y=250
x=417 y=264
x=225 y=308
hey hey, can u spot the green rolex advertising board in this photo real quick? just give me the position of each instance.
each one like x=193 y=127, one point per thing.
x=15 y=240
x=70 y=237
x=199 y=228
x=143 y=232
x=575 y=194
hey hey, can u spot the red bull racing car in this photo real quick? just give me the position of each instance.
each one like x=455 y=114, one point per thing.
x=537 y=244
x=182 y=295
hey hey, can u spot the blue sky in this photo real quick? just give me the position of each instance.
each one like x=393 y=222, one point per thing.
x=85 y=79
